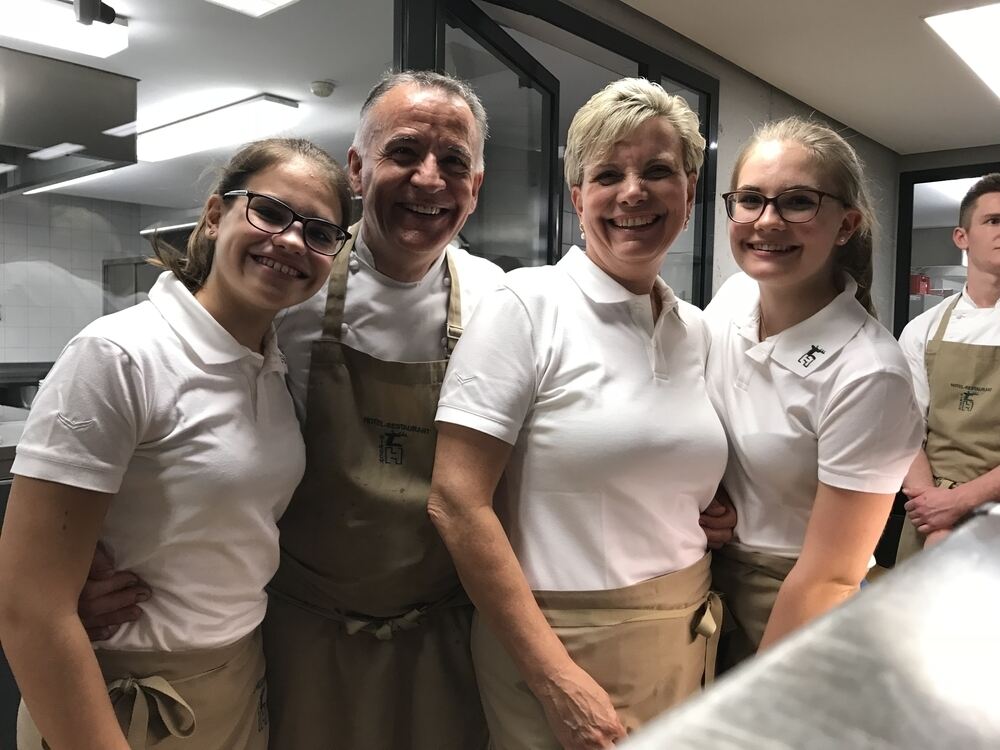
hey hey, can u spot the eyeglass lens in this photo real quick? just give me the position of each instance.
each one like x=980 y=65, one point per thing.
x=795 y=206
x=270 y=216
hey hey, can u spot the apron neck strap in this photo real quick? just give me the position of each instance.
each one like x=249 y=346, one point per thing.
x=454 y=329
x=943 y=325
x=336 y=293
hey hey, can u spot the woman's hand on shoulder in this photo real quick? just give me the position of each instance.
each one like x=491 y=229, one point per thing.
x=580 y=711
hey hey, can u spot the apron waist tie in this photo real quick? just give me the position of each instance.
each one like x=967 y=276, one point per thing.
x=383 y=628
x=706 y=622
x=153 y=700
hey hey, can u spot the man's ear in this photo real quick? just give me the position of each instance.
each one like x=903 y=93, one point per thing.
x=477 y=183
x=961 y=238
x=354 y=169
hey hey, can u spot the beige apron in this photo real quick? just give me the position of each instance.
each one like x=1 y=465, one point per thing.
x=963 y=417
x=650 y=646
x=367 y=632
x=213 y=699
x=749 y=583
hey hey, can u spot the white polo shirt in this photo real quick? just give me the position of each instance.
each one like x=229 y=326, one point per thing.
x=196 y=437
x=617 y=448
x=968 y=325
x=828 y=400
x=391 y=320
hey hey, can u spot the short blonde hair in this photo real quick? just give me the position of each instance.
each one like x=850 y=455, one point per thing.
x=616 y=111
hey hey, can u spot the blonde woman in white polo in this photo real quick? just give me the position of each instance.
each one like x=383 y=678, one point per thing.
x=166 y=431
x=583 y=384
x=814 y=393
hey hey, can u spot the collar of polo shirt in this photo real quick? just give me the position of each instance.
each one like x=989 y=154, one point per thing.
x=603 y=289
x=804 y=347
x=206 y=337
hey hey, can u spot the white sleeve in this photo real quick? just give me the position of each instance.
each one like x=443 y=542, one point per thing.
x=869 y=433
x=491 y=380
x=86 y=420
x=913 y=342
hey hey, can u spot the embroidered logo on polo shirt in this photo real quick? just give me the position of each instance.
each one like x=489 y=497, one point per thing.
x=810 y=356
x=74 y=424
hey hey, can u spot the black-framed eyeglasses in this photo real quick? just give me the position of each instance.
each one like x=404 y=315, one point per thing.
x=274 y=217
x=795 y=206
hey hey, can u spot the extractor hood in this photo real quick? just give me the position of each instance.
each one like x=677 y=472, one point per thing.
x=46 y=102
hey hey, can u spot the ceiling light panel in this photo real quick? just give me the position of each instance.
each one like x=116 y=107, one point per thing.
x=973 y=35
x=55 y=152
x=53 y=24
x=68 y=183
x=255 y=8
x=244 y=121
x=5 y=168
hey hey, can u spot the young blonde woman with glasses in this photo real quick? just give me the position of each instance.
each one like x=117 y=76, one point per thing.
x=166 y=432
x=813 y=392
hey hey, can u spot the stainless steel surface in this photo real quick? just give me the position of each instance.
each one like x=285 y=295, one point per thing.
x=912 y=662
x=44 y=102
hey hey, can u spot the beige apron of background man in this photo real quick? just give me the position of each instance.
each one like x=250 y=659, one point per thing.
x=213 y=699
x=367 y=631
x=650 y=646
x=963 y=417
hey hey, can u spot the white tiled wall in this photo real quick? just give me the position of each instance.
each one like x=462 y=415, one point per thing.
x=51 y=248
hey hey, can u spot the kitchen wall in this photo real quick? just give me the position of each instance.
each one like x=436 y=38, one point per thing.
x=952 y=158
x=933 y=247
x=52 y=247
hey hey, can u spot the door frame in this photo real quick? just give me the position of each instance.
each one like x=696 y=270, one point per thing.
x=904 y=228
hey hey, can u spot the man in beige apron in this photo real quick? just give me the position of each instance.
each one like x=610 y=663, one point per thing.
x=367 y=633
x=959 y=468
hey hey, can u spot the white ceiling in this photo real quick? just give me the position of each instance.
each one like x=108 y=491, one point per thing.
x=874 y=65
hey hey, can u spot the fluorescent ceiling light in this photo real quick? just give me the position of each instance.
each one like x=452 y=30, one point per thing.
x=973 y=35
x=55 y=152
x=168 y=227
x=5 y=168
x=248 y=120
x=68 y=183
x=255 y=8
x=53 y=24
x=122 y=131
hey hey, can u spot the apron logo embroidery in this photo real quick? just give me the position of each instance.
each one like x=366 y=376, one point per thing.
x=965 y=402
x=967 y=395
x=810 y=356
x=389 y=451
x=390 y=447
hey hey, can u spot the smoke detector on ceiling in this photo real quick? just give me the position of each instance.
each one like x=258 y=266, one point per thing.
x=322 y=89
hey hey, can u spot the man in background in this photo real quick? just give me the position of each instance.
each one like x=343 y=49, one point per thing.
x=953 y=351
